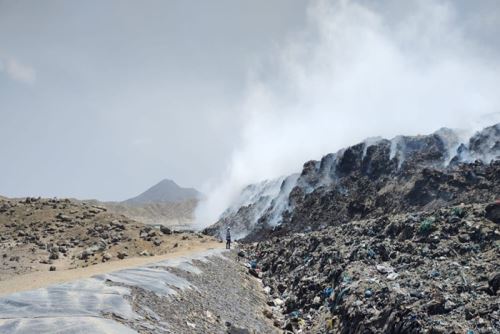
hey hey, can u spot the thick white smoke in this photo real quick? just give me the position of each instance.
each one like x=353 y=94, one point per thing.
x=355 y=74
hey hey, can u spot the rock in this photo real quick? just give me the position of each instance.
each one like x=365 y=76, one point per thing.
x=54 y=256
x=165 y=230
x=92 y=250
x=52 y=268
x=267 y=313
x=4 y=208
x=122 y=255
x=106 y=257
x=64 y=218
x=144 y=253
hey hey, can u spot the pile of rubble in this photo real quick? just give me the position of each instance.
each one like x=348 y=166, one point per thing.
x=435 y=271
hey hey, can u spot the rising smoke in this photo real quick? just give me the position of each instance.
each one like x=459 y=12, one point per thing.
x=356 y=73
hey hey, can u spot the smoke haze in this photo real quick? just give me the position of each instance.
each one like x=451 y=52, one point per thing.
x=353 y=73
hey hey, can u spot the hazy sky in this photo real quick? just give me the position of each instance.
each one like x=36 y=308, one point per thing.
x=102 y=99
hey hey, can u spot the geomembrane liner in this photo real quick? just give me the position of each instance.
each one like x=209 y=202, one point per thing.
x=79 y=306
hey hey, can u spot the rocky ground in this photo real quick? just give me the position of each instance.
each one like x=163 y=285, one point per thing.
x=434 y=271
x=225 y=299
x=51 y=234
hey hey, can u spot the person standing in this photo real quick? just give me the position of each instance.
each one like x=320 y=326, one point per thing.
x=228 y=238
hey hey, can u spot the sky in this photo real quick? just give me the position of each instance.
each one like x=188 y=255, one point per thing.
x=102 y=99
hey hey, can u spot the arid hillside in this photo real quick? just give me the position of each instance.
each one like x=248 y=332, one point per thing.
x=51 y=234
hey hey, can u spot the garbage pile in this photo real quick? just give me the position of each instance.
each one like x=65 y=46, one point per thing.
x=373 y=178
x=434 y=271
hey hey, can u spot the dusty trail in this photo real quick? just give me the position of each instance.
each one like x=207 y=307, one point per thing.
x=38 y=280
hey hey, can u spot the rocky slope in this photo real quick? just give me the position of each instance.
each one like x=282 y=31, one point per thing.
x=51 y=234
x=372 y=178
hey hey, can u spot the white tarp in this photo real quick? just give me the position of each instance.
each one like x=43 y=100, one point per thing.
x=81 y=306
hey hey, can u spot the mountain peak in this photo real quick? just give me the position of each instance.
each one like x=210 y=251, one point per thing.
x=165 y=191
x=168 y=182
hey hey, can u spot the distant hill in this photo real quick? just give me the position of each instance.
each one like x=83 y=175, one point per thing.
x=165 y=203
x=166 y=191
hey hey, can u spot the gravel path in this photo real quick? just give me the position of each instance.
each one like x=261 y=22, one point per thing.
x=223 y=299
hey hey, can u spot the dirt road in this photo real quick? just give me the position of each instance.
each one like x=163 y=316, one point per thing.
x=37 y=280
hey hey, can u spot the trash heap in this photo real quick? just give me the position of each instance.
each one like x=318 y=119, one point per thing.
x=425 y=272
x=368 y=180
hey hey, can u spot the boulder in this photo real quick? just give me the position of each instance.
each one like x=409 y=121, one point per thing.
x=121 y=255
x=165 y=230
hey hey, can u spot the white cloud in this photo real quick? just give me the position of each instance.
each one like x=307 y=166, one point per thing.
x=18 y=71
x=350 y=76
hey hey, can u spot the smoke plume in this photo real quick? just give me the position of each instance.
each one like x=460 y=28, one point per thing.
x=355 y=73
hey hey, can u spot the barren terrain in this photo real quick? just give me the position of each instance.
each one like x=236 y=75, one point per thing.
x=42 y=235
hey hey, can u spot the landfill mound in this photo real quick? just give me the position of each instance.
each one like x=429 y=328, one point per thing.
x=38 y=234
x=370 y=179
x=434 y=271
x=387 y=236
